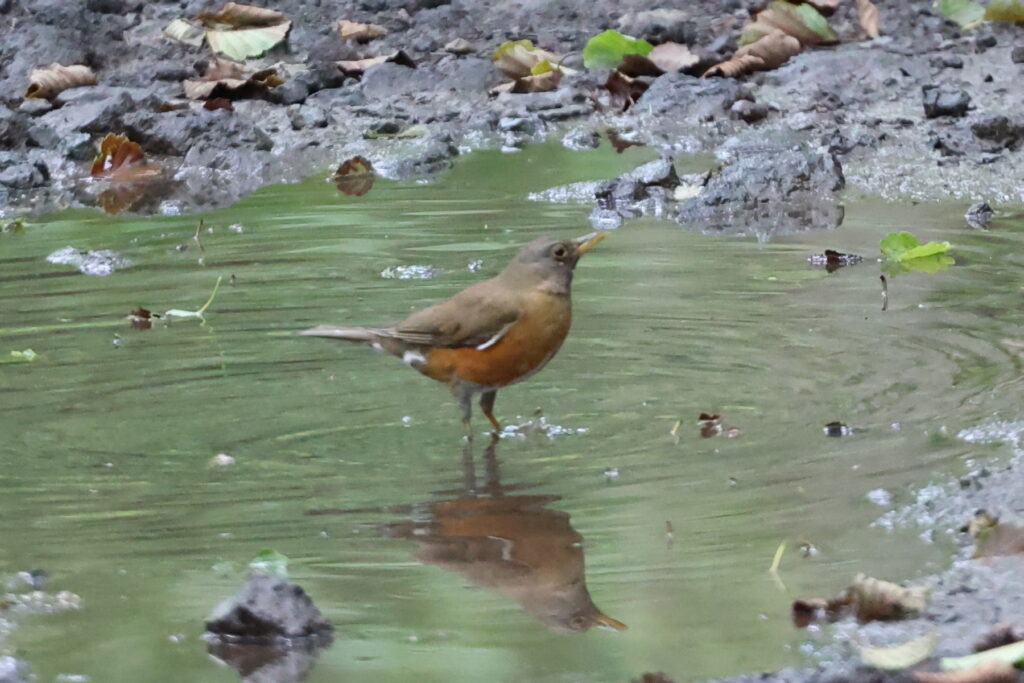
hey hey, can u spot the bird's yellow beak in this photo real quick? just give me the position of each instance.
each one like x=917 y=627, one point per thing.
x=602 y=620
x=588 y=242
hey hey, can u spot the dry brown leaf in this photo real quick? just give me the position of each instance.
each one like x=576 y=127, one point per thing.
x=544 y=82
x=867 y=14
x=672 y=57
x=354 y=177
x=770 y=52
x=226 y=79
x=874 y=599
x=355 y=67
x=120 y=159
x=517 y=59
x=803 y=22
x=989 y=672
x=359 y=33
x=48 y=82
x=826 y=7
x=236 y=14
x=625 y=91
x=638 y=65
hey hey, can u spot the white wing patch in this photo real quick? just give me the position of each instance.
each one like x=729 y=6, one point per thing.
x=496 y=338
x=413 y=358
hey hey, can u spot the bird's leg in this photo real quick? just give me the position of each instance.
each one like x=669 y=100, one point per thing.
x=487 y=406
x=465 y=395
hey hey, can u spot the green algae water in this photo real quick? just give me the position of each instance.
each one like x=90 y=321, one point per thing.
x=441 y=562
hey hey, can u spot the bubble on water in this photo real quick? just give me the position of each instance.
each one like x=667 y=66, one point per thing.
x=880 y=497
x=539 y=425
x=99 y=263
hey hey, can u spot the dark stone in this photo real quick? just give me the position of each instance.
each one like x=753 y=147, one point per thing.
x=12 y=128
x=944 y=100
x=571 y=111
x=998 y=131
x=947 y=62
x=308 y=116
x=748 y=111
x=982 y=43
x=702 y=99
x=979 y=215
x=767 y=188
x=107 y=6
x=1017 y=54
x=660 y=26
x=265 y=610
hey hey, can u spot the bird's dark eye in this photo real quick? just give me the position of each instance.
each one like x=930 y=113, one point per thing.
x=560 y=252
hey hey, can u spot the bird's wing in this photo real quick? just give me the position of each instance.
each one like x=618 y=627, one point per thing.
x=476 y=316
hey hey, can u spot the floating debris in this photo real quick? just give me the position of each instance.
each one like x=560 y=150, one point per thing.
x=222 y=460
x=414 y=272
x=979 y=215
x=837 y=429
x=99 y=263
x=834 y=260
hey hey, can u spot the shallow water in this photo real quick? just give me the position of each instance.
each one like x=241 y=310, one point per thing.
x=104 y=465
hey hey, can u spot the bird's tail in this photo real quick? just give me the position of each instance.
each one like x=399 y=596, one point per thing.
x=352 y=334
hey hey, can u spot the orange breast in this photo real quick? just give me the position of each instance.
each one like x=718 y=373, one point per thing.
x=522 y=351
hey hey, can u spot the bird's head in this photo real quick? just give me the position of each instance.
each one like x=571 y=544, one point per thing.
x=552 y=261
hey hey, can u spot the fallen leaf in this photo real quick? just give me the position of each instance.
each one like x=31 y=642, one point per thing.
x=966 y=13
x=902 y=656
x=981 y=521
x=802 y=22
x=355 y=67
x=672 y=57
x=246 y=43
x=179 y=313
x=998 y=540
x=237 y=14
x=625 y=91
x=120 y=197
x=1012 y=654
x=638 y=65
x=769 y=52
x=519 y=58
x=825 y=6
x=225 y=79
x=902 y=246
x=48 y=82
x=607 y=49
x=989 y=672
x=867 y=15
x=119 y=159
x=218 y=103
x=354 y=177
x=1005 y=10
x=868 y=599
x=1000 y=635
x=359 y=33
x=185 y=32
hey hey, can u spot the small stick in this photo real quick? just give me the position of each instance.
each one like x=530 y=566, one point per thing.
x=885 y=292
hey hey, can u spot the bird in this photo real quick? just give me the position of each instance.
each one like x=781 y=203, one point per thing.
x=491 y=334
x=511 y=544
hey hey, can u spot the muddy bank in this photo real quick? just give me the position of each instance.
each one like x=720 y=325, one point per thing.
x=966 y=601
x=924 y=112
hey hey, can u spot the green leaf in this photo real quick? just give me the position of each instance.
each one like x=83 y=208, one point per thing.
x=966 y=13
x=902 y=656
x=814 y=20
x=179 y=313
x=271 y=563
x=1009 y=654
x=928 y=264
x=1005 y=10
x=902 y=247
x=26 y=356
x=606 y=49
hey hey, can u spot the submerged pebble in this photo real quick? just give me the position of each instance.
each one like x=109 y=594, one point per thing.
x=99 y=263
x=414 y=272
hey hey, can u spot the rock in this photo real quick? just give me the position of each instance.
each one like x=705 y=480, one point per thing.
x=308 y=116
x=22 y=176
x=945 y=100
x=769 y=187
x=459 y=46
x=107 y=6
x=748 y=111
x=14 y=670
x=1017 y=54
x=267 y=663
x=660 y=26
x=579 y=139
x=982 y=43
x=389 y=80
x=979 y=215
x=643 y=191
x=425 y=155
x=35 y=106
x=948 y=62
x=12 y=128
x=997 y=132
x=89 y=112
x=266 y=610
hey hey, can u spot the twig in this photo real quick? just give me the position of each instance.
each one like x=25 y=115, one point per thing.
x=885 y=292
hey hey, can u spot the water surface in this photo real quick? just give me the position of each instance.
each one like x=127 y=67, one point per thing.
x=104 y=465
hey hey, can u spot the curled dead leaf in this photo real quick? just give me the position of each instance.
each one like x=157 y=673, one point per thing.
x=122 y=162
x=769 y=52
x=826 y=7
x=868 y=599
x=359 y=33
x=625 y=91
x=803 y=22
x=237 y=14
x=672 y=57
x=226 y=79
x=355 y=67
x=519 y=58
x=50 y=81
x=867 y=15
x=988 y=672
x=354 y=177
x=902 y=656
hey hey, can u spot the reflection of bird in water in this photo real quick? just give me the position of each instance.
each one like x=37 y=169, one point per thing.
x=512 y=545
